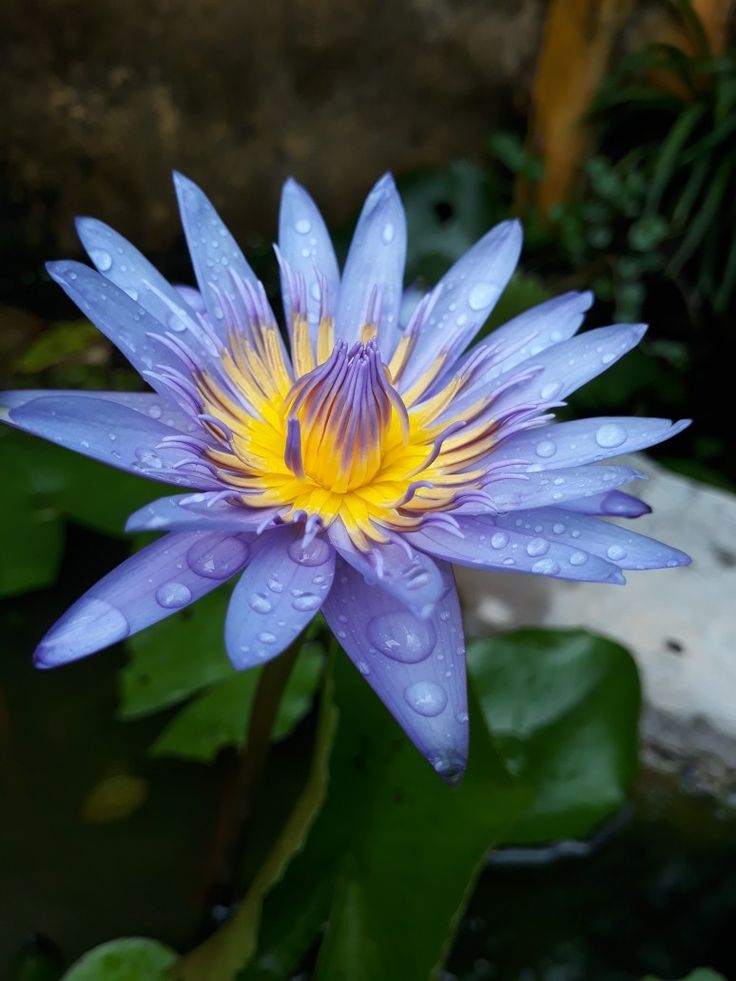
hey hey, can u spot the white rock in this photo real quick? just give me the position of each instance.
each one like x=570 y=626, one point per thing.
x=680 y=624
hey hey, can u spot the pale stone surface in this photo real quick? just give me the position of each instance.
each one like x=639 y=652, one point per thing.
x=680 y=624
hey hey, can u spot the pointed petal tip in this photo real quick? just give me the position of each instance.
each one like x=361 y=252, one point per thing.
x=449 y=764
x=41 y=659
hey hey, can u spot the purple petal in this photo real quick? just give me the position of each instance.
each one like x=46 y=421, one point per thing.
x=306 y=246
x=124 y=321
x=149 y=404
x=416 y=667
x=615 y=504
x=200 y=512
x=215 y=254
x=625 y=549
x=565 y=367
x=109 y=432
x=467 y=294
x=279 y=593
x=572 y=444
x=154 y=583
x=497 y=543
x=409 y=576
x=193 y=298
x=121 y=263
x=524 y=337
x=538 y=490
x=375 y=261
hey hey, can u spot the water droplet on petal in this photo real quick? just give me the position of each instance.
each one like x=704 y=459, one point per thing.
x=173 y=595
x=149 y=458
x=217 y=561
x=260 y=603
x=303 y=226
x=550 y=390
x=274 y=585
x=402 y=637
x=306 y=602
x=316 y=553
x=388 y=233
x=578 y=558
x=537 y=546
x=482 y=295
x=610 y=435
x=546 y=567
x=176 y=323
x=499 y=540
x=266 y=637
x=615 y=552
x=155 y=412
x=363 y=668
x=546 y=448
x=558 y=528
x=426 y=698
x=101 y=258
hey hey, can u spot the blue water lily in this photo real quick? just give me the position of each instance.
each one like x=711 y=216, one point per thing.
x=347 y=473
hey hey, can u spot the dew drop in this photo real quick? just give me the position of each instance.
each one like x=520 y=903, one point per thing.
x=306 y=602
x=578 y=558
x=550 y=390
x=388 y=233
x=558 y=528
x=173 y=594
x=546 y=448
x=260 y=603
x=481 y=296
x=610 y=435
x=155 y=412
x=499 y=540
x=176 y=323
x=316 y=553
x=217 y=561
x=546 y=567
x=615 y=552
x=363 y=668
x=101 y=258
x=274 y=585
x=149 y=458
x=303 y=226
x=537 y=546
x=426 y=698
x=402 y=637
x=266 y=637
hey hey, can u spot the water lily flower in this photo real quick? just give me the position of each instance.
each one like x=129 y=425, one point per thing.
x=348 y=473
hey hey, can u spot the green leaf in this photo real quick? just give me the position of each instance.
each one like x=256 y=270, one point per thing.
x=220 y=957
x=667 y=158
x=30 y=527
x=176 y=657
x=563 y=707
x=218 y=718
x=127 y=959
x=391 y=856
x=699 y=974
x=57 y=343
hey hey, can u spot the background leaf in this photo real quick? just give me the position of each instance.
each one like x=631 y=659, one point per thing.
x=127 y=959
x=563 y=707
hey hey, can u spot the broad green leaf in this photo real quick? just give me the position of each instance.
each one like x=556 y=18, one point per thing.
x=30 y=527
x=563 y=707
x=57 y=343
x=221 y=956
x=219 y=717
x=391 y=856
x=127 y=959
x=176 y=657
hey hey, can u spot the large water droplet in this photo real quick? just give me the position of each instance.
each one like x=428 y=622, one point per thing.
x=176 y=323
x=426 y=698
x=499 y=540
x=537 y=546
x=101 y=258
x=388 y=233
x=615 y=552
x=610 y=435
x=481 y=295
x=303 y=226
x=155 y=412
x=402 y=636
x=173 y=595
x=306 y=602
x=550 y=389
x=260 y=603
x=578 y=558
x=546 y=567
x=546 y=448
x=218 y=560
x=149 y=458
x=266 y=637
x=316 y=553
x=275 y=585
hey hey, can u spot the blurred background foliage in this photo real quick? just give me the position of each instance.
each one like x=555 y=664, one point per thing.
x=149 y=793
